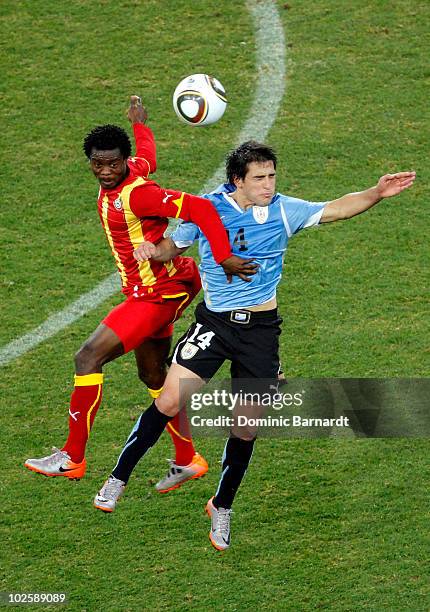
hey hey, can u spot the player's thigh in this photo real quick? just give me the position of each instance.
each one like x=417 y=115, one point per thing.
x=152 y=354
x=254 y=372
x=102 y=346
x=257 y=354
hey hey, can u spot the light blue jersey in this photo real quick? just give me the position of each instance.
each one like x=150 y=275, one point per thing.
x=261 y=233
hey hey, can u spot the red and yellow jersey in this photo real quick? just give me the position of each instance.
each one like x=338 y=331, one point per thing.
x=137 y=210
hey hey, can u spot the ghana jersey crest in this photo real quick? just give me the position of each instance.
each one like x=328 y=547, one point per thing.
x=261 y=233
x=137 y=210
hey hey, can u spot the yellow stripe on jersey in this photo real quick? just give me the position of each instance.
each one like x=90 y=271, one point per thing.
x=135 y=231
x=178 y=203
x=171 y=270
x=119 y=263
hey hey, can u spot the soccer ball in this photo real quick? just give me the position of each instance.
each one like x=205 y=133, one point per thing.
x=199 y=99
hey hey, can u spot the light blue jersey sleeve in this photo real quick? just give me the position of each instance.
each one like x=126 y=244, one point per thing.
x=300 y=214
x=185 y=234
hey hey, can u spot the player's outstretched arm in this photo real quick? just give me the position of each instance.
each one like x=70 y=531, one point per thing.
x=165 y=250
x=353 y=204
x=145 y=160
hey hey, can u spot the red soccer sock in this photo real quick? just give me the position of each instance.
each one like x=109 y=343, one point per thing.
x=84 y=403
x=179 y=430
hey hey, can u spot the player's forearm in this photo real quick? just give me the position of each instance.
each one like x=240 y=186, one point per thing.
x=167 y=250
x=350 y=205
x=201 y=212
x=145 y=145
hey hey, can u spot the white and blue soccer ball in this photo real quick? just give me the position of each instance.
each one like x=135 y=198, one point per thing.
x=199 y=99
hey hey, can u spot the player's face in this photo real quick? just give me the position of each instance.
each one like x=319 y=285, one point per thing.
x=258 y=186
x=109 y=167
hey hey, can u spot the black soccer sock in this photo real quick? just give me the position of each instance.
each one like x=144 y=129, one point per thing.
x=148 y=428
x=238 y=454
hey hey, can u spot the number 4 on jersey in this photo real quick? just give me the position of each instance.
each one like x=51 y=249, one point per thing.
x=240 y=240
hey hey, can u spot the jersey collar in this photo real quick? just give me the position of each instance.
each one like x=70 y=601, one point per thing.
x=232 y=202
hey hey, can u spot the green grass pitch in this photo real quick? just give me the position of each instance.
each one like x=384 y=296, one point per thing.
x=318 y=524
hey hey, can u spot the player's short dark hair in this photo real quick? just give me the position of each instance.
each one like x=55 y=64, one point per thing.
x=106 y=138
x=236 y=165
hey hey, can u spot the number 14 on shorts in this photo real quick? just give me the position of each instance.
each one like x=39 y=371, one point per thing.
x=203 y=340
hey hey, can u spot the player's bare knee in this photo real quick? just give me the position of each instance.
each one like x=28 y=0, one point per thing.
x=249 y=437
x=167 y=404
x=86 y=359
x=247 y=434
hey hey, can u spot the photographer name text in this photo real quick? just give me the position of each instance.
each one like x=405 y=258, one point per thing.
x=269 y=421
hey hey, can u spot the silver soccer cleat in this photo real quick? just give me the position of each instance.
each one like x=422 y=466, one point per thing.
x=57 y=464
x=178 y=474
x=109 y=494
x=219 y=534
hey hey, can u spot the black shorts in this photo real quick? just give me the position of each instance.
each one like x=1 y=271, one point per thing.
x=250 y=340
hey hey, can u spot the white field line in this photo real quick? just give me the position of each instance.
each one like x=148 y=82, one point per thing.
x=270 y=66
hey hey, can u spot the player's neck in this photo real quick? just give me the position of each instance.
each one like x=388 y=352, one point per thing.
x=241 y=201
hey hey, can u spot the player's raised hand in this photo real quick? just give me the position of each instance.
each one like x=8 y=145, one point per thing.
x=136 y=112
x=393 y=184
x=145 y=251
x=236 y=266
